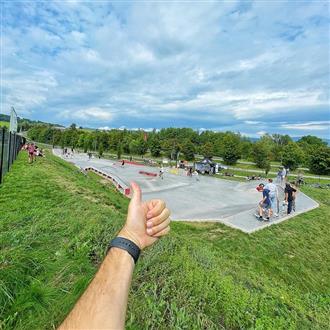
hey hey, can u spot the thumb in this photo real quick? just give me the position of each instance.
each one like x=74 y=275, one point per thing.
x=137 y=195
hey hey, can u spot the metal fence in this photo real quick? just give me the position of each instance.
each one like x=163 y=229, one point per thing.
x=10 y=145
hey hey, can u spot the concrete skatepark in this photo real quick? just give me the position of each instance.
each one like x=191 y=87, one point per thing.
x=209 y=199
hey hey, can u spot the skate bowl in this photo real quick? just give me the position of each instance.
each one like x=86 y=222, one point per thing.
x=192 y=199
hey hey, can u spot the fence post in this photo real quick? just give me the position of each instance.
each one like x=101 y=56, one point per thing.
x=2 y=151
x=14 y=148
x=9 y=145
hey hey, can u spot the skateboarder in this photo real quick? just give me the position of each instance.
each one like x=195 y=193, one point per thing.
x=161 y=173
x=264 y=206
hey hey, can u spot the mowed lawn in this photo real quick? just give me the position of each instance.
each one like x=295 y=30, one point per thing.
x=55 y=225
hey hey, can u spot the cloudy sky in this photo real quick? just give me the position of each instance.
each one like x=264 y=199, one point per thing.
x=247 y=66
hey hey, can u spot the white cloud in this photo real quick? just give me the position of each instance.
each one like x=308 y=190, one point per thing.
x=252 y=122
x=88 y=114
x=309 y=126
x=146 y=64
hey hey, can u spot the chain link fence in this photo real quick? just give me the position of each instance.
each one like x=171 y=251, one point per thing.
x=10 y=145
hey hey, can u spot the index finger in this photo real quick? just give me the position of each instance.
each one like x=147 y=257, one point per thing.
x=155 y=207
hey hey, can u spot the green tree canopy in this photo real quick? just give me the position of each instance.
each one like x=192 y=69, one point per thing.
x=292 y=156
x=207 y=149
x=188 y=150
x=261 y=154
x=231 y=149
x=154 y=146
x=319 y=161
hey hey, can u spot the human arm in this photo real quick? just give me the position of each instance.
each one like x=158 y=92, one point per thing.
x=103 y=305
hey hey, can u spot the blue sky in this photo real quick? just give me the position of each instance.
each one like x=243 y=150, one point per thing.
x=246 y=66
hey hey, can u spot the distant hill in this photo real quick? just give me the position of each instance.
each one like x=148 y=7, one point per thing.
x=294 y=138
x=6 y=118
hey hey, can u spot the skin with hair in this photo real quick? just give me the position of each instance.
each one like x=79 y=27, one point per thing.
x=103 y=304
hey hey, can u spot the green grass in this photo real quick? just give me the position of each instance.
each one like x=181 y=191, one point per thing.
x=4 y=123
x=55 y=225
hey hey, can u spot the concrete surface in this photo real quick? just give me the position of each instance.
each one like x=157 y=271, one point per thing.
x=209 y=199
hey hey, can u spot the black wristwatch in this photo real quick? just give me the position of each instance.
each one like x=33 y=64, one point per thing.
x=127 y=245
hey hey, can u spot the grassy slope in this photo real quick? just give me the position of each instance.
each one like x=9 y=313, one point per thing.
x=4 y=123
x=55 y=225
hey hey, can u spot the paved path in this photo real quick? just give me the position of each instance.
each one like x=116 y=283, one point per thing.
x=275 y=173
x=209 y=199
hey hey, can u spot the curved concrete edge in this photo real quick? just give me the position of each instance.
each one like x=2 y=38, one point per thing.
x=226 y=221
x=228 y=224
x=119 y=184
x=285 y=218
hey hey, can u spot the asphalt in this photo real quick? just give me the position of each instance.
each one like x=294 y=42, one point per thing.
x=206 y=199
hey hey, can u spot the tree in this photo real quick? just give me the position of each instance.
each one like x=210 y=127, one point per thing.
x=231 y=149
x=247 y=146
x=312 y=140
x=188 y=150
x=125 y=144
x=319 y=161
x=308 y=144
x=280 y=141
x=119 y=150
x=261 y=154
x=81 y=141
x=267 y=167
x=292 y=156
x=155 y=147
x=207 y=149
x=138 y=146
x=101 y=149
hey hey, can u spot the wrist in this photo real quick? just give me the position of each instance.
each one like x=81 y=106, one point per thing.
x=126 y=233
x=120 y=254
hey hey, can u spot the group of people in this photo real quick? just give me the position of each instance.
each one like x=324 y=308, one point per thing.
x=33 y=152
x=269 y=204
x=68 y=153
x=192 y=173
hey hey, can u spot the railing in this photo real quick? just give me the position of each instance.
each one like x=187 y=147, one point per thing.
x=10 y=145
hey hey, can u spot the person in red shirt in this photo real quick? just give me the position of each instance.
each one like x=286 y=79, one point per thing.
x=31 y=151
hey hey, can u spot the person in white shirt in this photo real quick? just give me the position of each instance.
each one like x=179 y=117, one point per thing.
x=283 y=175
x=273 y=195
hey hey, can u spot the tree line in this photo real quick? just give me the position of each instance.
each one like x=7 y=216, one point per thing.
x=185 y=143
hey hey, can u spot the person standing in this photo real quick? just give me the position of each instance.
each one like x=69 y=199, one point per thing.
x=294 y=187
x=31 y=150
x=161 y=173
x=283 y=175
x=195 y=173
x=279 y=177
x=273 y=195
x=289 y=196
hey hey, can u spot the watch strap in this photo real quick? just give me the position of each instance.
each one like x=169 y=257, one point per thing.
x=127 y=245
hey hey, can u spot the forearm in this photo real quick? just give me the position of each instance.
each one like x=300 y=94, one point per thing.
x=103 y=305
